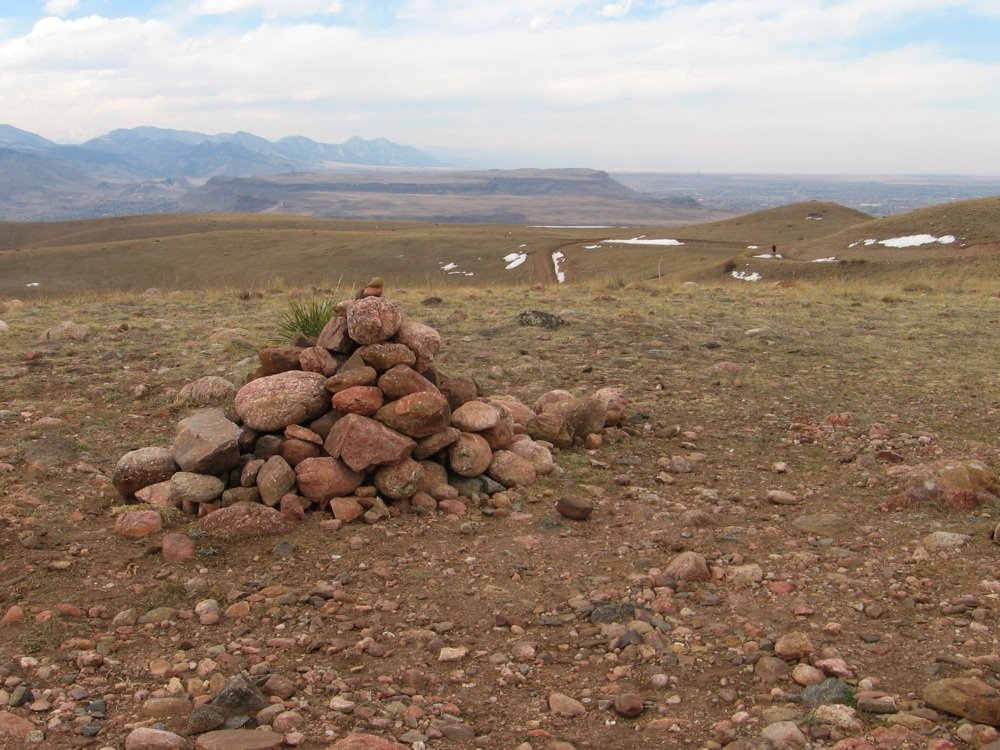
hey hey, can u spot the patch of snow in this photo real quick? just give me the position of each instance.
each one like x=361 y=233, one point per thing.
x=824 y=260
x=591 y=247
x=32 y=284
x=523 y=244
x=557 y=257
x=461 y=273
x=867 y=243
x=746 y=275
x=814 y=218
x=513 y=260
x=641 y=240
x=915 y=240
x=768 y=256
x=449 y=266
x=752 y=247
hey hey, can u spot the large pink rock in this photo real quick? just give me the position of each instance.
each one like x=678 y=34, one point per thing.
x=951 y=484
x=401 y=380
x=351 y=378
x=141 y=468
x=399 y=480
x=319 y=479
x=551 y=397
x=475 y=416
x=371 y=320
x=417 y=415
x=424 y=341
x=274 y=402
x=361 y=442
x=136 y=524
x=470 y=455
x=540 y=456
x=688 y=566
x=359 y=399
x=244 y=520
x=366 y=742
x=176 y=547
x=239 y=739
x=12 y=725
x=206 y=443
x=615 y=402
x=518 y=412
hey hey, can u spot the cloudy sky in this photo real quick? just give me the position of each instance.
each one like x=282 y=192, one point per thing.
x=795 y=86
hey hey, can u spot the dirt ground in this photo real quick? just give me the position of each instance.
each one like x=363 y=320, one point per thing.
x=457 y=633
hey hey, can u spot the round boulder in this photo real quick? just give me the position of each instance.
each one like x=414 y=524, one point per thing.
x=372 y=320
x=320 y=479
x=274 y=402
x=141 y=468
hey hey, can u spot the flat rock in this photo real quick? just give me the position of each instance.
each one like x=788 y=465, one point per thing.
x=239 y=739
x=360 y=741
x=359 y=399
x=210 y=390
x=574 y=508
x=969 y=697
x=206 y=443
x=12 y=725
x=195 y=488
x=822 y=524
x=563 y=705
x=474 y=416
x=275 y=479
x=362 y=443
x=386 y=355
x=147 y=738
x=244 y=520
x=136 y=524
x=401 y=380
x=416 y=415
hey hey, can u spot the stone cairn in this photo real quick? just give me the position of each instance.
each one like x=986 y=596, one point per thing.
x=359 y=422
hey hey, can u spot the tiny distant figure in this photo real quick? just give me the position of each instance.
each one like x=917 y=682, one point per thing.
x=774 y=250
x=373 y=288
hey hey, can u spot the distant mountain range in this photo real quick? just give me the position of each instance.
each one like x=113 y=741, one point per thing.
x=150 y=170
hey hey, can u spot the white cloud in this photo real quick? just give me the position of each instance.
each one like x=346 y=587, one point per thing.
x=722 y=85
x=61 y=7
x=270 y=8
x=617 y=9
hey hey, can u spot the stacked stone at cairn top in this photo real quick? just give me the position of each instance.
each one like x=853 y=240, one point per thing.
x=359 y=422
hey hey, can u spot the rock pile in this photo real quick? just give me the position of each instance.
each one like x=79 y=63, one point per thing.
x=360 y=422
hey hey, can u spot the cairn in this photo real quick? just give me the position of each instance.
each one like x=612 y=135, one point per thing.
x=360 y=423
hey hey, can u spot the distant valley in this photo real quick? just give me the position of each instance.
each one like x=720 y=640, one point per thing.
x=149 y=170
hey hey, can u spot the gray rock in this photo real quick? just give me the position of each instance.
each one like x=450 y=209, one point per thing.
x=206 y=443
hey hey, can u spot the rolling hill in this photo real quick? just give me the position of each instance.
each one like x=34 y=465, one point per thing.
x=199 y=251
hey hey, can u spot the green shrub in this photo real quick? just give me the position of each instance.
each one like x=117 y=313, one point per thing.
x=306 y=316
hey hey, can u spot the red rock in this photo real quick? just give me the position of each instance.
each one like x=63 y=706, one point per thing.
x=629 y=705
x=141 y=468
x=351 y=378
x=399 y=480
x=417 y=414
x=458 y=390
x=159 y=494
x=176 y=547
x=274 y=402
x=275 y=359
x=574 y=508
x=12 y=725
x=366 y=742
x=969 y=697
x=538 y=454
x=239 y=739
x=470 y=455
x=146 y=738
x=372 y=320
x=334 y=336
x=793 y=645
x=952 y=484
x=362 y=443
x=431 y=444
x=318 y=359
x=320 y=479
x=244 y=520
x=298 y=432
x=295 y=451
x=452 y=507
x=518 y=412
x=401 y=380
x=385 y=356
x=688 y=566
x=474 y=416
x=346 y=509
x=136 y=524
x=424 y=341
x=511 y=470
x=293 y=507
x=12 y=616
x=359 y=399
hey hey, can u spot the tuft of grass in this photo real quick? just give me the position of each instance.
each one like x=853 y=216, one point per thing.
x=307 y=316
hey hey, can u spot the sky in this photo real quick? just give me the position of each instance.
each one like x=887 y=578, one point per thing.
x=773 y=86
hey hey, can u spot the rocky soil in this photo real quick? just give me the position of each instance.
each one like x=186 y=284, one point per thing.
x=791 y=541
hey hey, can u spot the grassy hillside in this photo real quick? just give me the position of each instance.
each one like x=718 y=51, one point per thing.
x=198 y=251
